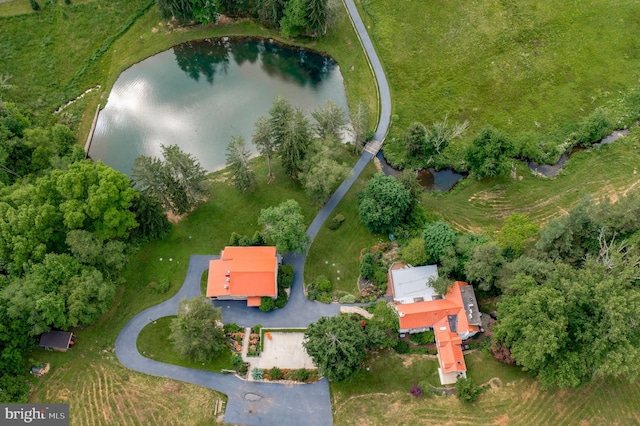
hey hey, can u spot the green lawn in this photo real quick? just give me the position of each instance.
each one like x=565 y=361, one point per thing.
x=381 y=396
x=153 y=342
x=611 y=170
x=339 y=249
x=523 y=66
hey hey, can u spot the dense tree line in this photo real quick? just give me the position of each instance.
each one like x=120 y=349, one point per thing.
x=65 y=227
x=293 y=17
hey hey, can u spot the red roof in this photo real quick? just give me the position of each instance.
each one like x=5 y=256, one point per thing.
x=449 y=349
x=244 y=272
x=427 y=314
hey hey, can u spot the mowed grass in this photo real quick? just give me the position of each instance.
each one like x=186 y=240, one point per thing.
x=335 y=253
x=100 y=391
x=513 y=397
x=153 y=342
x=522 y=66
x=607 y=171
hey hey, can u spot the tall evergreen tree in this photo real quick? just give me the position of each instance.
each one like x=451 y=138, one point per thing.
x=238 y=157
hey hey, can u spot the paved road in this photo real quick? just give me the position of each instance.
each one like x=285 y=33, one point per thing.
x=256 y=402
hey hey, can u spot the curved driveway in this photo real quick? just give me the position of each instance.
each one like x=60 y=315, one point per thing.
x=259 y=402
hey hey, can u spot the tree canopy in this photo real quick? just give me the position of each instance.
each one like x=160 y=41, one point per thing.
x=337 y=346
x=284 y=226
x=238 y=156
x=178 y=181
x=489 y=154
x=197 y=332
x=384 y=204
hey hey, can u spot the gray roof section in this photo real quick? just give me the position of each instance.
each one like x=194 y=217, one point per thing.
x=470 y=305
x=412 y=283
x=56 y=339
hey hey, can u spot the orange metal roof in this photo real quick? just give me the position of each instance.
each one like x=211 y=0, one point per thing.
x=244 y=272
x=254 y=301
x=449 y=349
x=426 y=314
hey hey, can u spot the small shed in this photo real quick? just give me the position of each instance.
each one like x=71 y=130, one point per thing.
x=56 y=340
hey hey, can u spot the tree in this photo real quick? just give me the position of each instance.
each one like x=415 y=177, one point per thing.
x=318 y=14
x=280 y=116
x=336 y=345
x=384 y=204
x=415 y=140
x=322 y=176
x=294 y=21
x=440 y=134
x=414 y=253
x=284 y=226
x=205 y=11
x=483 y=268
x=296 y=143
x=466 y=390
x=178 y=182
x=360 y=125
x=238 y=156
x=151 y=218
x=262 y=138
x=489 y=154
x=197 y=332
x=517 y=230
x=438 y=236
x=330 y=120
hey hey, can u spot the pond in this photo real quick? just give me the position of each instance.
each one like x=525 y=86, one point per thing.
x=430 y=179
x=198 y=95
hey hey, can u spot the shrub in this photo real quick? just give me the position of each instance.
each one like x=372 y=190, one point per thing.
x=163 y=286
x=336 y=222
x=236 y=361
x=423 y=338
x=367 y=267
x=485 y=345
x=414 y=252
x=594 y=127
x=256 y=329
x=301 y=375
x=281 y=301
x=402 y=347
x=267 y=304
x=285 y=276
x=275 y=373
x=324 y=297
x=34 y=5
x=415 y=390
x=466 y=390
x=348 y=298
x=322 y=284
x=232 y=328
x=257 y=373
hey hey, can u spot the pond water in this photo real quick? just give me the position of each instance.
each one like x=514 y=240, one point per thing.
x=198 y=95
x=429 y=179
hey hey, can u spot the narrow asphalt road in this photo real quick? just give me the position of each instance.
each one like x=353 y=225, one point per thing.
x=256 y=402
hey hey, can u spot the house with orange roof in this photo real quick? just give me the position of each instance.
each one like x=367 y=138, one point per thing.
x=453 y=318
x=244 y=273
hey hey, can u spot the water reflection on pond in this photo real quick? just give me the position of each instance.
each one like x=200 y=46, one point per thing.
x=429 y=179
x=200 y=94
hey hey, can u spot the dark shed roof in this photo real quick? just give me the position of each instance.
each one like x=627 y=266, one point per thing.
x=56 y=339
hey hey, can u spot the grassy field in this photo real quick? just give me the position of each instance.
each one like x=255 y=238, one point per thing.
x=381 y=396
x=339 y=249
x=153 y=342
x=610 y=170
x=522 y=66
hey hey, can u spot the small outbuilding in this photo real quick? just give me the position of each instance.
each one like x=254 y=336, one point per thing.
x=56 y=340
